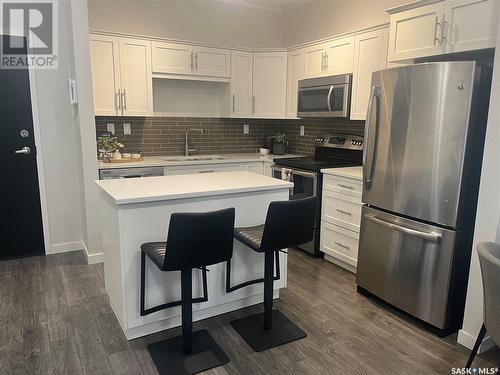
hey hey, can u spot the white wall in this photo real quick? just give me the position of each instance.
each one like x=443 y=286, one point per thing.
x=325 y=18
x=196 y=20
x=60 y=146
x=488 y=214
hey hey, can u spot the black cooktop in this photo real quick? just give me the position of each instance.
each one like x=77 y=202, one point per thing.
x=314 y=163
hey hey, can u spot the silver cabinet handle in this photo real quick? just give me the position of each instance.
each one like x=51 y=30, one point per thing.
x=326 y=60
x=443 y=31
x=192 y=61
x=120 y=101
x=253 y=104
x=117 y=101
x=344 y=212
x=24 y=151
x=207 y=171
x=322 y=61
x=124 y=100
x=196 y=60
x=233 y=101
x=436 y=39
x=342 y=245
x=345 y=186
x=429 y=236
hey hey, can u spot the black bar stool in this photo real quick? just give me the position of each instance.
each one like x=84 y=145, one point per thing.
x=195 y=240
x=288 y=223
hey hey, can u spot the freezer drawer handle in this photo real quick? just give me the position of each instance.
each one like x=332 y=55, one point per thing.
x=345 y=186
x=343 y=212
x=429 y=236
x=342 y=245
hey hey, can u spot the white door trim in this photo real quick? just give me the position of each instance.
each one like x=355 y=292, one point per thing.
x=39 y=159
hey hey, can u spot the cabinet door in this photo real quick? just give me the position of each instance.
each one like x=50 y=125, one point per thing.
x=136 y=77
x=471 y=24
x=172 y=58
x=315 y=61
x=105 y=65
x=269 y=84
x=241 y=84
x=370 y=55
x=212 y=62
x=340 y=56
x=296 y=70
x=416 y=32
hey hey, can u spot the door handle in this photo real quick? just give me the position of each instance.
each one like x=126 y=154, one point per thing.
x=343 y=212
x=233 y=101
x=370 y=139
x=192 y=61
x=429 y=236
x=24 y=151
x=124 y=100
x=196 y=61
x=342 y=245
x=253 y=104
x=117 y=101
x=329 y=99
x=436 y=38
x=346 y=186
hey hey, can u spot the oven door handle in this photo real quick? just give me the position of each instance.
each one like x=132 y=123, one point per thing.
x=304 y=174
x=329 y=98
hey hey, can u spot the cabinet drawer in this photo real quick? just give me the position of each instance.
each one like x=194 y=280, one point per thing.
x=343 y=185
x=342 y=210
x=339 y=243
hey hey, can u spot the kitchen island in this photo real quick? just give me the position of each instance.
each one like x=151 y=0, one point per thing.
x=135 y=211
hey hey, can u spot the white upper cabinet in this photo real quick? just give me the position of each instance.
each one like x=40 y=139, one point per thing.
x=442 y=27
x=269 y=84
x=212 y=62
x=470 y=24
x=105 y=65
x=121 y=76
x=241 y=84
x=416 y=32
x=296 y=70
x=173 y=58
x=370 y=55
x=315 y=60
x=340 y=56
x=136 y=81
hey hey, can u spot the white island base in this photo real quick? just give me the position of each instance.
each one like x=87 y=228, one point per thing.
x=136 y=211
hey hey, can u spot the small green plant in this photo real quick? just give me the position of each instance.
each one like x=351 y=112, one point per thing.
x=279 y=138
x=107 y=146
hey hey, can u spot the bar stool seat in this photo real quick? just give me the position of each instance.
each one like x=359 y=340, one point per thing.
x=156 y=252
x=250 y=236
x=192 y=352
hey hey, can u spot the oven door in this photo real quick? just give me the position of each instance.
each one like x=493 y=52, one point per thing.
x=324 y=101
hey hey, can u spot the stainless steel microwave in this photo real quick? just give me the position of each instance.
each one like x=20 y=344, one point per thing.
x=325 y=96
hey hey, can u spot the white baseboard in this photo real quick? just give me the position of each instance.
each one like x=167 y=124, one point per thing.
x=468 y=340
x=92 y=258
x=65 y=247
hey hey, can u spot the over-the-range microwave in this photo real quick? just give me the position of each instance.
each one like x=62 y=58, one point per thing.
x=325 y=96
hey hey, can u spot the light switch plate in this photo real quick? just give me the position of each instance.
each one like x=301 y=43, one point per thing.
x=127 y=130
x=302 y=130
x=111 y=127
x=246 y=129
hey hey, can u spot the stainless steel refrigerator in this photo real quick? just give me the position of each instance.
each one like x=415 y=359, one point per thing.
x=423 y=149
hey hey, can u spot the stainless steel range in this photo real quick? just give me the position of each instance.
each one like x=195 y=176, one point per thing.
x=334 y=150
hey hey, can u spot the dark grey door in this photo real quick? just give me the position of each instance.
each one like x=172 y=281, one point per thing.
x=21 y=232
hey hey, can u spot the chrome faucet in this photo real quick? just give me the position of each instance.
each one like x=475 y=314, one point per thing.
x=188 y=150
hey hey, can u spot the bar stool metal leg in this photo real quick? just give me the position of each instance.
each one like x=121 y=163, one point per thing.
x=187 y=310
x=271 y=328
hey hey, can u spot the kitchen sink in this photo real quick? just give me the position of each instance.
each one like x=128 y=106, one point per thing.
x=194 y=158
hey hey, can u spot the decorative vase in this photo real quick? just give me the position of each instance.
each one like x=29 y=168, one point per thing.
x=278 y=148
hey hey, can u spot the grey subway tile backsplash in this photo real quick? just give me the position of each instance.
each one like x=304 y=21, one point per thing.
x=165 y=135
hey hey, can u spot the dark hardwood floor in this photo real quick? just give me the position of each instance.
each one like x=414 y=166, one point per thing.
x=55 y=319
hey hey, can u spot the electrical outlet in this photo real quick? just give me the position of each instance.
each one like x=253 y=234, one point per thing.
x=302 y=130
x=246 y=129
x=111 y=127
x=127 y=130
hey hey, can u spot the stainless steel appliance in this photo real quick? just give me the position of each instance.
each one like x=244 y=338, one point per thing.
x=108 y=174
x=336 y=150
x=424 y=140
x=324 y=96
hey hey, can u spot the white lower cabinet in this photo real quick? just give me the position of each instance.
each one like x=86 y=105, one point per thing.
x=340 y=220
x=255 y=167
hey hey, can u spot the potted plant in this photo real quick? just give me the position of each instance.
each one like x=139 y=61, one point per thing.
x=280 y=143
x=107 y=146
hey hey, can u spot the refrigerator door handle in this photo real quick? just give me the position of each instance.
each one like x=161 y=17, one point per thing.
x=370 y=139
x=428 y=236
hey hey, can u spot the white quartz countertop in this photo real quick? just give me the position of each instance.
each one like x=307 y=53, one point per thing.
x=151 y=189
x=350 y=172
x=163 y=161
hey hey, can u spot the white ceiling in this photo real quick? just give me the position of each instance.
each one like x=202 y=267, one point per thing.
x=271 y=5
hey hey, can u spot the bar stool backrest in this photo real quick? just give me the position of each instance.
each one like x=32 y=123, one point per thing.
x=489 y=258
x=289 y=223
x=199 y=239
